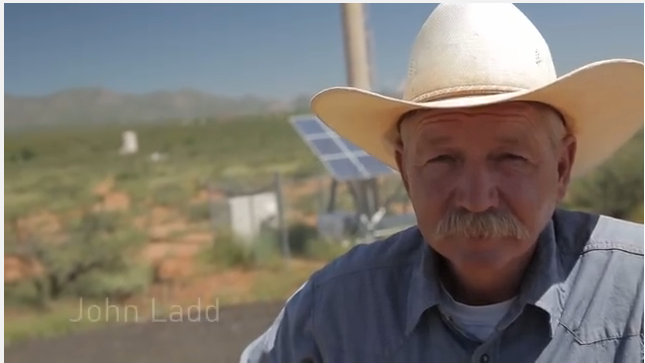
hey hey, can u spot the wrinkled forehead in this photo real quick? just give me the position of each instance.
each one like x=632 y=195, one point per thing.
x=525 y=114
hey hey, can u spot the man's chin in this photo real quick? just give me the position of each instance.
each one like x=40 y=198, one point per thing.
x=483 y=248
x=477 y=242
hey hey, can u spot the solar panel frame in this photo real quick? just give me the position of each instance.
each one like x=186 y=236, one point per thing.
x=345 y=161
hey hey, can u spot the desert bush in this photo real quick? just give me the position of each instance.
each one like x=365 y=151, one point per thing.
x=300 y=236
x=304 y=242
x=230 y=251
x=324 y=250
x=198 y=212
x=23 y=293
x=95 y=243
x=616 y=187
x=309 y=204
x=211 y=146
x=636 y=214
x=170 y=195
x=117 y=284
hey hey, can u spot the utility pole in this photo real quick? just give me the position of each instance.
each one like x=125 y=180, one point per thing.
x=358 y=75
x=356 y=56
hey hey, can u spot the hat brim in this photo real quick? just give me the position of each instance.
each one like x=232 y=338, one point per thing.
x=602 y=102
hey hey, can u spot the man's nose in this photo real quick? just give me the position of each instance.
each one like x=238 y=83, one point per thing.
x=477 y=189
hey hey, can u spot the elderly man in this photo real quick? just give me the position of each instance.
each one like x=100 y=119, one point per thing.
x=486 y=140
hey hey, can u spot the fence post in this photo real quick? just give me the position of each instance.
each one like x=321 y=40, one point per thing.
x=284 y=236
x=210 y=184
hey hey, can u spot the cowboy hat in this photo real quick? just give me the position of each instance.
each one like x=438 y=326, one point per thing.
x=469 y=55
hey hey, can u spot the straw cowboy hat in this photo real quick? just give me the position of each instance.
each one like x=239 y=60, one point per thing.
x=468 y=55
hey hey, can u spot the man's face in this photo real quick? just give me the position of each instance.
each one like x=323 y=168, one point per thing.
x=484 y=182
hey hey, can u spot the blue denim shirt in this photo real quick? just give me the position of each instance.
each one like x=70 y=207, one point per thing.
x=581 y=300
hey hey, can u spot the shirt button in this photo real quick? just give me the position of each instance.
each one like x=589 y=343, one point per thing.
x=484 y=358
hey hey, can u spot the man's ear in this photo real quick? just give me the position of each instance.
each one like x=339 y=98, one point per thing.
x=566 y=158
x=399 y=156
x=399 y=148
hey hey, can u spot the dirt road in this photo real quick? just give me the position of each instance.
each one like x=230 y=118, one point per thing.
x=192 y=340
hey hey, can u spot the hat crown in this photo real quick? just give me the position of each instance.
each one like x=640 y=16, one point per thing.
x=477 y=49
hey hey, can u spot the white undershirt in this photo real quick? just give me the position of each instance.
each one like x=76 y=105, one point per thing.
x=479 y=320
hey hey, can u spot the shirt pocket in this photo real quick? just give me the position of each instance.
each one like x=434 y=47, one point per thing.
x=589 y=348
x=600 y=324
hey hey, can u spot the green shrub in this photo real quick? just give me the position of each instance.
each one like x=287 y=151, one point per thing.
x=323 y=250
x=23 y=293
x=131 y=279
x=230 y=251
x=300 y=235
x=304 y=242
x=198 y=212
x=616 y=187
x=96 y=246
x=170 y=195
x=309 y=204
x=636 y=214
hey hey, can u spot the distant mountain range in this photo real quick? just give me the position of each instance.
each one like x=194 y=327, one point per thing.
x=102 y=106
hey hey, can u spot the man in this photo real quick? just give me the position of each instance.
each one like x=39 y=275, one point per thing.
x=486 y=140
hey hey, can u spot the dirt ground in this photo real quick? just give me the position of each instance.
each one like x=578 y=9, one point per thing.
x=193 y=339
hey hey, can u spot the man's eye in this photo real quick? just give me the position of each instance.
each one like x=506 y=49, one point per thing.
x=442 y=159
x=513 y=157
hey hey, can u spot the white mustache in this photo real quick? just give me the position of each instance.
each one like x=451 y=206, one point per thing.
x=489 y=224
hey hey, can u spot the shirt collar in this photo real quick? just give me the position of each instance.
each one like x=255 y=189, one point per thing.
x=542 y=283
x=425 y=288
x=540 y=287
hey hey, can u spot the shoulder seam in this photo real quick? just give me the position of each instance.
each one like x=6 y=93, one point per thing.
x=605 y=244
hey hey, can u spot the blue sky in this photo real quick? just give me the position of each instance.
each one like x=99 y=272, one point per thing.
x=274 y=50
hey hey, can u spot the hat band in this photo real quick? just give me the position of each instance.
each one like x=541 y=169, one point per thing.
x=464 y=91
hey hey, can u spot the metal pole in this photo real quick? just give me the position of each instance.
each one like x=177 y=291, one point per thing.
x=355 y=46
x=358 y=75
x=357 y=67
x=331 y=206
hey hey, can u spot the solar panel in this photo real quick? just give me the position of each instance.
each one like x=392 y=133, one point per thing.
x=344 y=160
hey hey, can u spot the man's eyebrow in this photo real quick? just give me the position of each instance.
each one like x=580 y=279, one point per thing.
x=508 y=140
x=438 y=140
